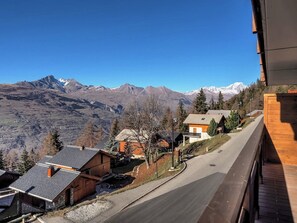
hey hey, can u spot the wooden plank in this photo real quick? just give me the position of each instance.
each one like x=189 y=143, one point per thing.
x=280 y=115
x=282 y=137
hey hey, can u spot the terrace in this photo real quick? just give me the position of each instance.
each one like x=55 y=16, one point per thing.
x=261 y=184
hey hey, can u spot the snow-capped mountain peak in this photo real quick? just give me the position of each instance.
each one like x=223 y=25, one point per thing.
x=64 y=82
x=230 y=89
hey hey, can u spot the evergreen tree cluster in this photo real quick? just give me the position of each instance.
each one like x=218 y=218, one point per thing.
x=114 y=131
x=2 y=161
x=199 y=104
x=212 y=128
x=21 y=163
x=232 y=121
x=26 y=162
x=252 y=98
x=181 y=115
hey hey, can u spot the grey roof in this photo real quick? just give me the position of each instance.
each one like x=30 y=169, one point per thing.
x=202 y=119
x=226 y=113
x=73 y=156
x=167 y=135
x=45 y=159
x=129 y=135
x=254 y=112
x=2 y=172
x=6 y=200
x=36 y=182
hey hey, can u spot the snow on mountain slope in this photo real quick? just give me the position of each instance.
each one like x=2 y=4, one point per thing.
x=231 y=89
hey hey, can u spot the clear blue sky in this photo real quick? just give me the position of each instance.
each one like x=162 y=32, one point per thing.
x=183 y=44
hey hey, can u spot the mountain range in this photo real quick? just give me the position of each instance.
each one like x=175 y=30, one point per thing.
x=124 y=94
x=29 y=110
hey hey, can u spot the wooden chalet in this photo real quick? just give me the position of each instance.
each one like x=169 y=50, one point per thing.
x=129 y=144
x=198 y=125
x=63 y=179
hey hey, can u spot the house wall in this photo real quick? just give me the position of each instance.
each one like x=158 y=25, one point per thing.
x=81 y=188
x=164 y=144
x=30 y=204
x=280 y=118
x=96 y=167
x=202 y=129
x=135 y=147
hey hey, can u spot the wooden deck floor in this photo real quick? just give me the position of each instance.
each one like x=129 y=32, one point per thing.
x=278 y=194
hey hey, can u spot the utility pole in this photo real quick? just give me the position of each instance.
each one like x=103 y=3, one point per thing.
x=172 y=144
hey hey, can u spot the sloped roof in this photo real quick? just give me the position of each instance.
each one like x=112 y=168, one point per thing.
x=202 y=119
x=45 y=159
x=73 y=156
x=36 y=182
x=2 y=172
x=129 y=135
x=226 y=113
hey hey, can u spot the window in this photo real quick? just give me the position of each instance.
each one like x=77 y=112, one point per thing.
x=101 y=158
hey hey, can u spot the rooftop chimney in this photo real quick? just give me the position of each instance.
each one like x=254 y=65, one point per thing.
x=82 y=148
x=50 y=171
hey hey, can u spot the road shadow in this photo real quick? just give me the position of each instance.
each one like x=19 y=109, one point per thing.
x=184 y=204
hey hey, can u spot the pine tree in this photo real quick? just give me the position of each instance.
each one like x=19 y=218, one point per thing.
x=114 y=129
x=212 y=105
x=90 y=136
x=232 y=121
x=212 y=128
x=181 y=115
x=25 y=163
x=199 y=105
x=52 y=143
x=2 y=161
x=167 y=120
x=220 y=104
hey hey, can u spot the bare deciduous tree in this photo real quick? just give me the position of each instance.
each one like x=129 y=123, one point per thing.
x=90 y=136
x=144 y=119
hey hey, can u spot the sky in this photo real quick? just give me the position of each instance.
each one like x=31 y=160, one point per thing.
x=180 y=44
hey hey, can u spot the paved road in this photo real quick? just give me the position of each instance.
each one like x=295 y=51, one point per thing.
x=184 y=198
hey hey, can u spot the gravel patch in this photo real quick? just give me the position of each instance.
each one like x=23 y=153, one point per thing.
x=88 y=212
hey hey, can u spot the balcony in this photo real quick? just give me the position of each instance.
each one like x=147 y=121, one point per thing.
x=192 y=134
x=261 y=186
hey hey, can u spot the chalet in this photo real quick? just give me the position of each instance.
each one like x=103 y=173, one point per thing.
x=165 y=139
x=129 y=144
x=7 y=177
x=198 y=125
x=225 y=113
x=63 y=179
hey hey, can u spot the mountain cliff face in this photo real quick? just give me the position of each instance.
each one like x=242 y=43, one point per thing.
x=27 y=114
x=29 y=110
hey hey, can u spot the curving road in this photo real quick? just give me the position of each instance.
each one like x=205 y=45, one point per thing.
x=184 y=198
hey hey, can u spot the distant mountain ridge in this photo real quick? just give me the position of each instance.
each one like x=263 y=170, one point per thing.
x=73 y=87
x=230 y=89
x=30 y=109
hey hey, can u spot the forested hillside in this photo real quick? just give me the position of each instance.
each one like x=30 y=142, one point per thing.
x=251 y=98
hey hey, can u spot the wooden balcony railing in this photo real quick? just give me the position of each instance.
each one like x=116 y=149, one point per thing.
x=192 y=134
x=236 y=200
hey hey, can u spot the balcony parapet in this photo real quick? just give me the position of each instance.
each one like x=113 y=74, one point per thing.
x=236 y=199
